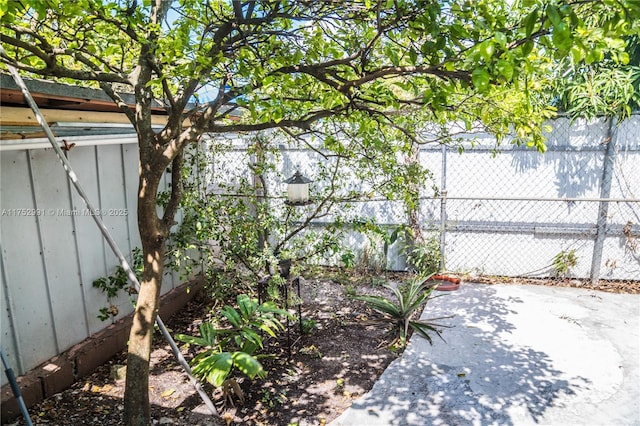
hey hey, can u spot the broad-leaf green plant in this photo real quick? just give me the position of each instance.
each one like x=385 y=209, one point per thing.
x=111 y=285
x=235 y=347
x=399 y=315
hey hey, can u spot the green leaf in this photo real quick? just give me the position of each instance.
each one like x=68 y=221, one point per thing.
x=208 y=333
x=577 y=54
x=561 y=36
x=232 y=315
x=247 y=305
x=413 y=56
x=423 y=330
x=267 y=328
x=248 y=365
x=553 y=14
x=623 y=58
x=252 y=337
x=481 y=79
x=380 y=304
x=594 y=55
x=505 y=68
x=527 y=48
x=392 y=54
x=192 y=340
x=270 y=307
x=276 y=115
x=487 y=49
x=214 y=367
x=530 y=22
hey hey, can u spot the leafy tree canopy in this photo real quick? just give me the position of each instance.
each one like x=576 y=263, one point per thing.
x=293 y=63
x=607 y=87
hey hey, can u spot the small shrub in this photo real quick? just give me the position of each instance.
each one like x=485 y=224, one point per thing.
x=308 y=325
x=348 y=259
x=422 y=254
x=350 y=291
x=311 y=350
x=424 y=257
x=397 y=315
x=273 y=399
x=111 y=285
x=563 y=262
x=229 y=349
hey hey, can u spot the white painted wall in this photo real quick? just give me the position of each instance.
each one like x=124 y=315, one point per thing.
x=50 y=256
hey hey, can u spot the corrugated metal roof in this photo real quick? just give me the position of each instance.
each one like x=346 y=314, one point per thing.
x=50 y=94
x=58 y=100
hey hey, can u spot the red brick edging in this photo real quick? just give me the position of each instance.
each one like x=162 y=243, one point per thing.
x=61 y=371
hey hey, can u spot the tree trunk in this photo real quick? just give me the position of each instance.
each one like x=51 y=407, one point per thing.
x=153 y=234
x=137 y=408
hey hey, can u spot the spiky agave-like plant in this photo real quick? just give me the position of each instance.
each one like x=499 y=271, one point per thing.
x=398 y=315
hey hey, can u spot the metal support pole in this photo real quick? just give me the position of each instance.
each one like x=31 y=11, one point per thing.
x=443 y=208
x=105 y=232
x=603 y=206
x=15 y=389
x=261 y=194
x=298 y=279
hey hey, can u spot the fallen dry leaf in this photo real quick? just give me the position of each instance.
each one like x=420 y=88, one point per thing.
x=167 y=393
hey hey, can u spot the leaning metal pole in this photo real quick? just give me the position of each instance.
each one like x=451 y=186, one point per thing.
x=16 y=389
x=105 y=232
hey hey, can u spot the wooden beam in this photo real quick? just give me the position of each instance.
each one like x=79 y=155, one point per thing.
x=16 y=116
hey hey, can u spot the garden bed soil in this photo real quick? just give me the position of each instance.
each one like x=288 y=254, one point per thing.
x=336 y=362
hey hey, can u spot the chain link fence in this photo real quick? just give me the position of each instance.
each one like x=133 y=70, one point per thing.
x=572 y=213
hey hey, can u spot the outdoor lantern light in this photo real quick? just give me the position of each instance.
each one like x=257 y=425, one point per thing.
x=298 y=190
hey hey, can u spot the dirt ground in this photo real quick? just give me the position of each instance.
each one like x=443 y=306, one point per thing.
x=311 y=383
x=312 y=380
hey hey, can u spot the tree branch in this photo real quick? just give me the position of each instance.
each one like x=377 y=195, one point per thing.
x=304 y=124
x=124 y=107
x=48 y=54
x=168 y=218
x=407 y=70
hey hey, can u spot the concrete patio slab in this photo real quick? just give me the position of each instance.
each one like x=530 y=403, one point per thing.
x=516 y=355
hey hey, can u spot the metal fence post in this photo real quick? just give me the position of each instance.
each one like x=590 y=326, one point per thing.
x=603 y=205
x=443 y=208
